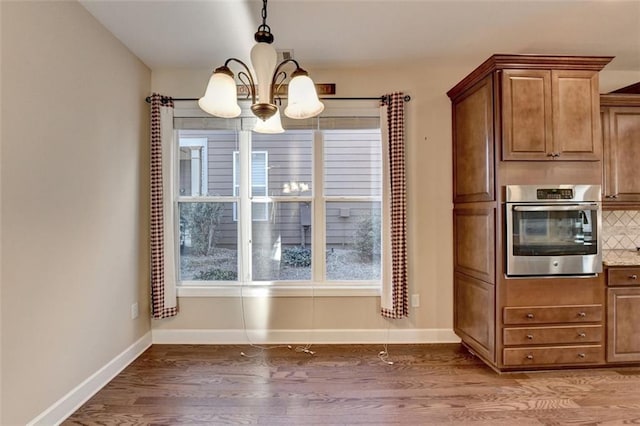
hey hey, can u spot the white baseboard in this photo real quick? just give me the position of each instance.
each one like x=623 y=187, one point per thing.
x=69 y=403
x=327 y=336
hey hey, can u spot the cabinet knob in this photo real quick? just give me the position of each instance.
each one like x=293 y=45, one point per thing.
x=582 y=314
x=581 y=355
x=611 y=197
x=529 y=356
x=529 y=316
x=633 y=277
x=530 y=336
x=582 y=334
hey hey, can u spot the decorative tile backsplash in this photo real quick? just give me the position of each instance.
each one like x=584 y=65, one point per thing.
x=620 y=229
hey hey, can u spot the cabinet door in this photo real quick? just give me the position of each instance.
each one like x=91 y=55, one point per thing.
x=474 y=234
x=473 y=158
x=622 y=155
x=623 y=333
x=474 y=314
x=526 y=115
x=576 y=115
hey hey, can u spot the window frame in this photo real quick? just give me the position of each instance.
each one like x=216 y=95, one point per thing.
x=318 y=284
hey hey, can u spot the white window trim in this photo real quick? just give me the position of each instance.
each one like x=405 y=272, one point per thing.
x=279 y=289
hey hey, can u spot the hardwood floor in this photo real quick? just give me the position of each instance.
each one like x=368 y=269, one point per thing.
x=349 y=384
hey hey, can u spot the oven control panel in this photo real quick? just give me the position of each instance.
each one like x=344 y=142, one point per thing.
x=554 y=193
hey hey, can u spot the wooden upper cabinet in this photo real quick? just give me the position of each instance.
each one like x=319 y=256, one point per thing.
x=550 y=115
x=473 y=145
x=576 y=115
x=526 y=115
x=621 y=140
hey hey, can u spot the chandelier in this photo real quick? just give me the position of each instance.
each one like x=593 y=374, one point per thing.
x=221 y=96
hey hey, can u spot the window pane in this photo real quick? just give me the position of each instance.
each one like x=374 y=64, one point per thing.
x=282 y=245
x=353 y=240
x=216 y=158
x=208 y=242
x=259 y=169
x=352 y=162
x=287 y=159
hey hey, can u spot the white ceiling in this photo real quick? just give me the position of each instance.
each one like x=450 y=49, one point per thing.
x=325 y=33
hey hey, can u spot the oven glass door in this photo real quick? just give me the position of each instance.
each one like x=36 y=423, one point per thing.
x=554 y=230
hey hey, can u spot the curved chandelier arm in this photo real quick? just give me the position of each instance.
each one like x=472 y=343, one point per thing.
x=277 y=82
x=244 y=76
x=275 y=85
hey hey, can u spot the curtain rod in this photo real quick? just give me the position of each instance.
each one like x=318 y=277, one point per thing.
x=407 y=98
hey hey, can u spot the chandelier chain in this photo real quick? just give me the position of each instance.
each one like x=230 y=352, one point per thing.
x=264 y=27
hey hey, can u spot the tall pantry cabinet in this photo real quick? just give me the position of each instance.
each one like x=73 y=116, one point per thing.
x=521 y=119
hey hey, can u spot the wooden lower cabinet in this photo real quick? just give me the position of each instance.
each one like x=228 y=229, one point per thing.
x=623 y=314
x=552 y=314
x=553 y=355
x=623 y=324
x=551 y=323
x=474 y=314
x=559 y=328
x=548 y=335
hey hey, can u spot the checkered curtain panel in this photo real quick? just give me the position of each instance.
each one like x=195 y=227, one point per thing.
x=394 y=300
x=163 y=270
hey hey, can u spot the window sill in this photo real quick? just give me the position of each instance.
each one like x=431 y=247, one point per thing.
x=279 y=290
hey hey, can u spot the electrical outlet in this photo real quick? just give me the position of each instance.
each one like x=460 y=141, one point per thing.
x=415 y=300
x=134 y=310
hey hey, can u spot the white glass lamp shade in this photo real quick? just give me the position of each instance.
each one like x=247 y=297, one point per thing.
x=303 y=98
x=270 y=125
x=221 y=97
x=263 y=59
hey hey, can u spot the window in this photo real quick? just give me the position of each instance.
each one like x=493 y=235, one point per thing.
x=296 y=208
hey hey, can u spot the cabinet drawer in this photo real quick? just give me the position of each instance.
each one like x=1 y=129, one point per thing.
x=623 y=276
x=557 y=355
x=547 y=335
x=552 y=314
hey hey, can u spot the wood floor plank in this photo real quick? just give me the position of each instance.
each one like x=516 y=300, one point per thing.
x=349 y=385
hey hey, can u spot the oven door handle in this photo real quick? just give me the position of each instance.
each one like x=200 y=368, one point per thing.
x=572 y=207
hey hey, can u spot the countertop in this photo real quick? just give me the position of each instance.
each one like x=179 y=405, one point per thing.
x=621 y=257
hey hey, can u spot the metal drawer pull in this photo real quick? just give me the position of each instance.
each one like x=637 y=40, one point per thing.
x=582 y=334
x=530 y=336
x=582 y=314
x=530 y=316
x=529 y=356
x=633 y=277
x=581 y=355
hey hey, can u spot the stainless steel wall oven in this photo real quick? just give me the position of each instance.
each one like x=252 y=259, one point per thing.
x=553 y=230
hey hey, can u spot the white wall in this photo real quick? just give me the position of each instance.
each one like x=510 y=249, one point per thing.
x=74 y=198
